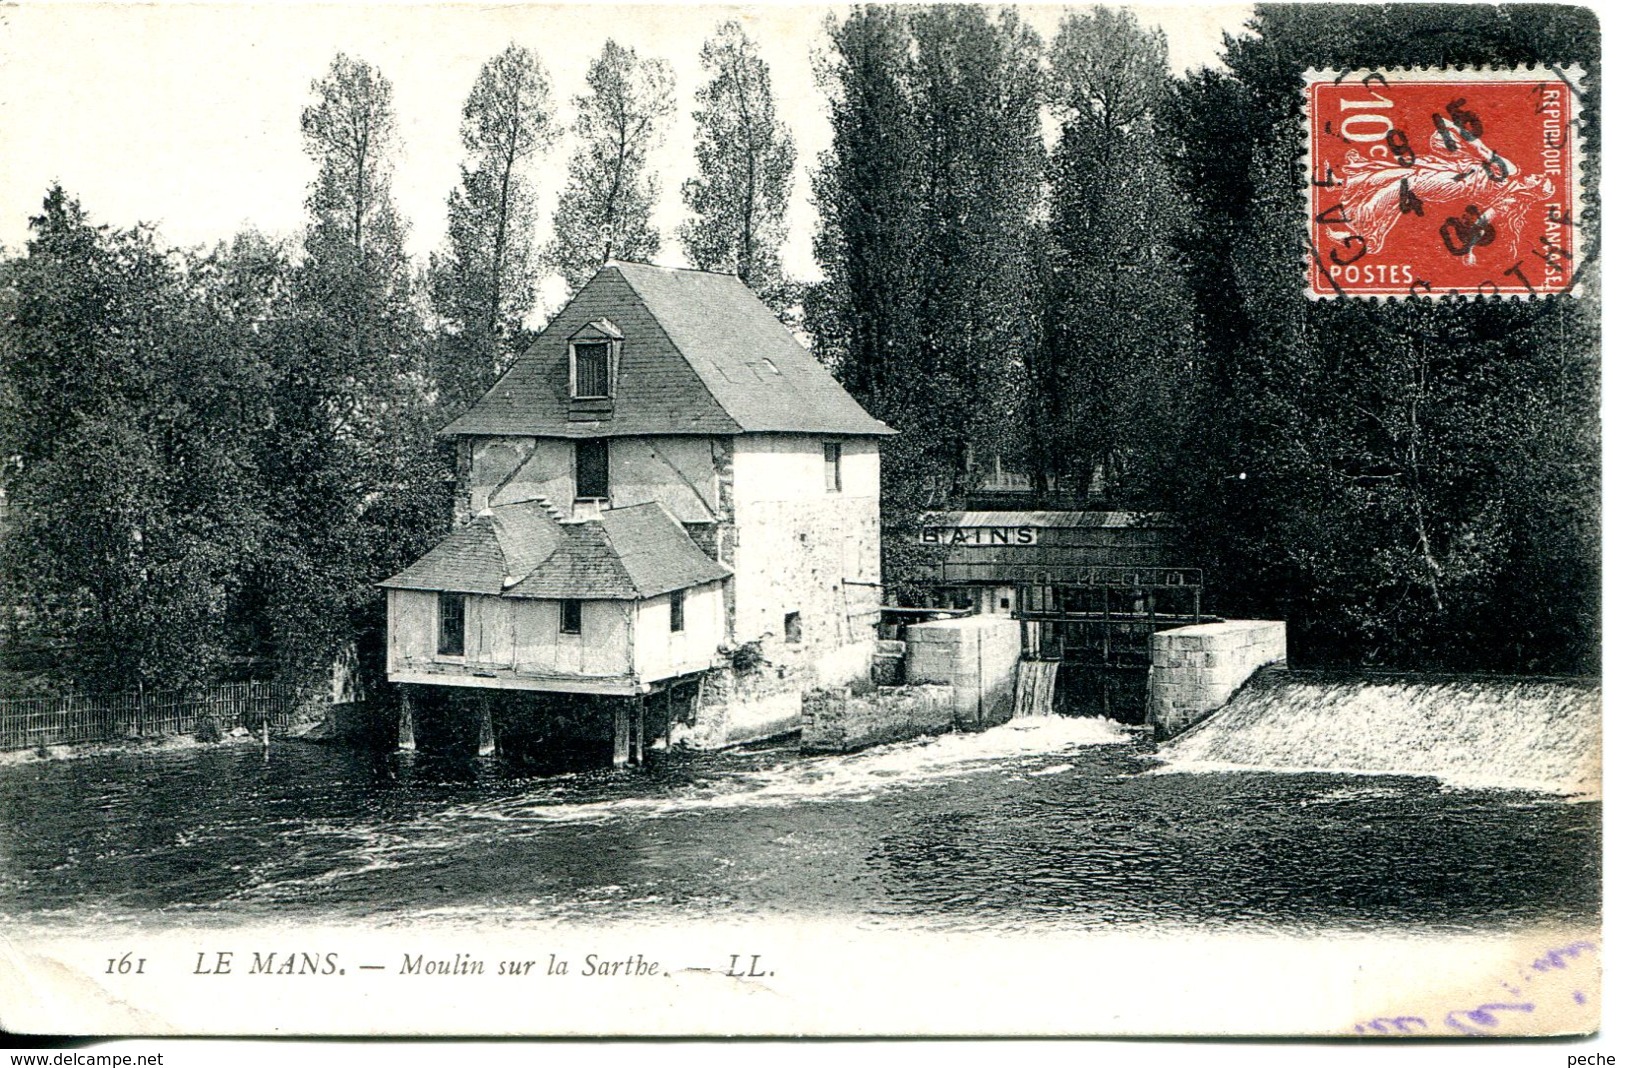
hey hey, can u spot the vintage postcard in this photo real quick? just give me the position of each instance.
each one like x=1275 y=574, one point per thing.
x=801 y=520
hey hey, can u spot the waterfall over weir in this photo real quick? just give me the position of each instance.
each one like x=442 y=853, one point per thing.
x=1035 y=688
x=1512 y=733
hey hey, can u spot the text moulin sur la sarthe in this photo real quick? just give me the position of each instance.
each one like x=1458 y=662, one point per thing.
x=635 y=965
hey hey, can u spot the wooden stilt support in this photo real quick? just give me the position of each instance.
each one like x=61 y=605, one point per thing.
x=406 y=731
x=667 y=742
x=637 y=733
x=488 y=731
x=623 y=733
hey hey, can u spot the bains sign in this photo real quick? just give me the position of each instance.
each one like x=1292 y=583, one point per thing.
x=978 y=536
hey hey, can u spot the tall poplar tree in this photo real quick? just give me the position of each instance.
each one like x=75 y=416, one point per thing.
x=864 y=316
x=746 y=162
x=356 y=480
x=928 y=200
x=357 y=276
x=1111 y=380
x=605 y=210
x=864 y=313
x=977 y=88
x=484 y=284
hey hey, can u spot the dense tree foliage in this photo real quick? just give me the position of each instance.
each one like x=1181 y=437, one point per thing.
x=1409 y=484
x=606 y=207
x=131 y=440
x=485 y=282
x=745 y=161
x=211 y=457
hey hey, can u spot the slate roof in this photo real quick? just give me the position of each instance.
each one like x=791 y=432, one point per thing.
x=469 y=560
x=521 y=550
x=701 y=355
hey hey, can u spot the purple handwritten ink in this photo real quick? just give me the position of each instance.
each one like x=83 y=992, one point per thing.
x=1484 y=1016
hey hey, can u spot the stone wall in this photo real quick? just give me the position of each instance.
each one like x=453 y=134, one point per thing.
x=978 y=656
x=839 y=721
x=886 y=667
x=806 y=558
x=1196 y=669
x=737 y=707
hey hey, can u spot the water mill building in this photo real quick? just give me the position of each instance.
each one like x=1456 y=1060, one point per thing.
x=665 y=485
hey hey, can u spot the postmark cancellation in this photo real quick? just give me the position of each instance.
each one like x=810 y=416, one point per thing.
x=1442 y=182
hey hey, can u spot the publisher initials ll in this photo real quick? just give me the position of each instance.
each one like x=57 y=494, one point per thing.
x=753 y=973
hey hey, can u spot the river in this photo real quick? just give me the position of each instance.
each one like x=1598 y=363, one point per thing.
x=1039 y=822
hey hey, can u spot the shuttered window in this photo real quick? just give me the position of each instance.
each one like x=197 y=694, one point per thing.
x=591 y=368
x=832 y=467
x=569 y=617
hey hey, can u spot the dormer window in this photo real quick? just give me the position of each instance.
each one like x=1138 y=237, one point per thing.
x=591 y=369
x=594 y=353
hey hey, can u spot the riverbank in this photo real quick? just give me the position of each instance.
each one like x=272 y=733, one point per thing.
x=239 y=736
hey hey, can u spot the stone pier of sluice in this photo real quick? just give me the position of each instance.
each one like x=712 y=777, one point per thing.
x=1196 y=669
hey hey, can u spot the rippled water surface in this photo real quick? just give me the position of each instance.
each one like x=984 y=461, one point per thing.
x=1052 y=823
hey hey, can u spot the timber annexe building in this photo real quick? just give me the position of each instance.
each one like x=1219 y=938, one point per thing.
x=665 y=473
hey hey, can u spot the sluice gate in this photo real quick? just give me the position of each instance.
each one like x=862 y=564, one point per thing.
x=1089 y=588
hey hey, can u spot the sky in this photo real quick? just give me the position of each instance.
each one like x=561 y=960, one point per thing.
x=186 y=117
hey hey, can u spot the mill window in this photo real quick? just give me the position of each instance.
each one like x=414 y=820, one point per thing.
x=453 y=616
x=832 y=467
x=676 y=610
x=569 y=617
x=592 y=469
x=792 y=627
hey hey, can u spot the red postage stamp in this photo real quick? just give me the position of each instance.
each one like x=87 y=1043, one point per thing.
x=1434 y=183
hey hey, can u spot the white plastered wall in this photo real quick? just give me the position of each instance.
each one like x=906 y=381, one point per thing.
x=677 y=471
x=661 y=652
x=510 y=638
x=802 y=548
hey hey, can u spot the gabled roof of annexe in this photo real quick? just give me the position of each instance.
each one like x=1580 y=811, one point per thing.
x=521 y=550
x=701 y=355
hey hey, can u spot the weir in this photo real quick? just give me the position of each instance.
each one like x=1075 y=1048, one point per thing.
x=1472 y=731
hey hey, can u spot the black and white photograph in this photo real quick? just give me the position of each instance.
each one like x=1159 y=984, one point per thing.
x=886 y=521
